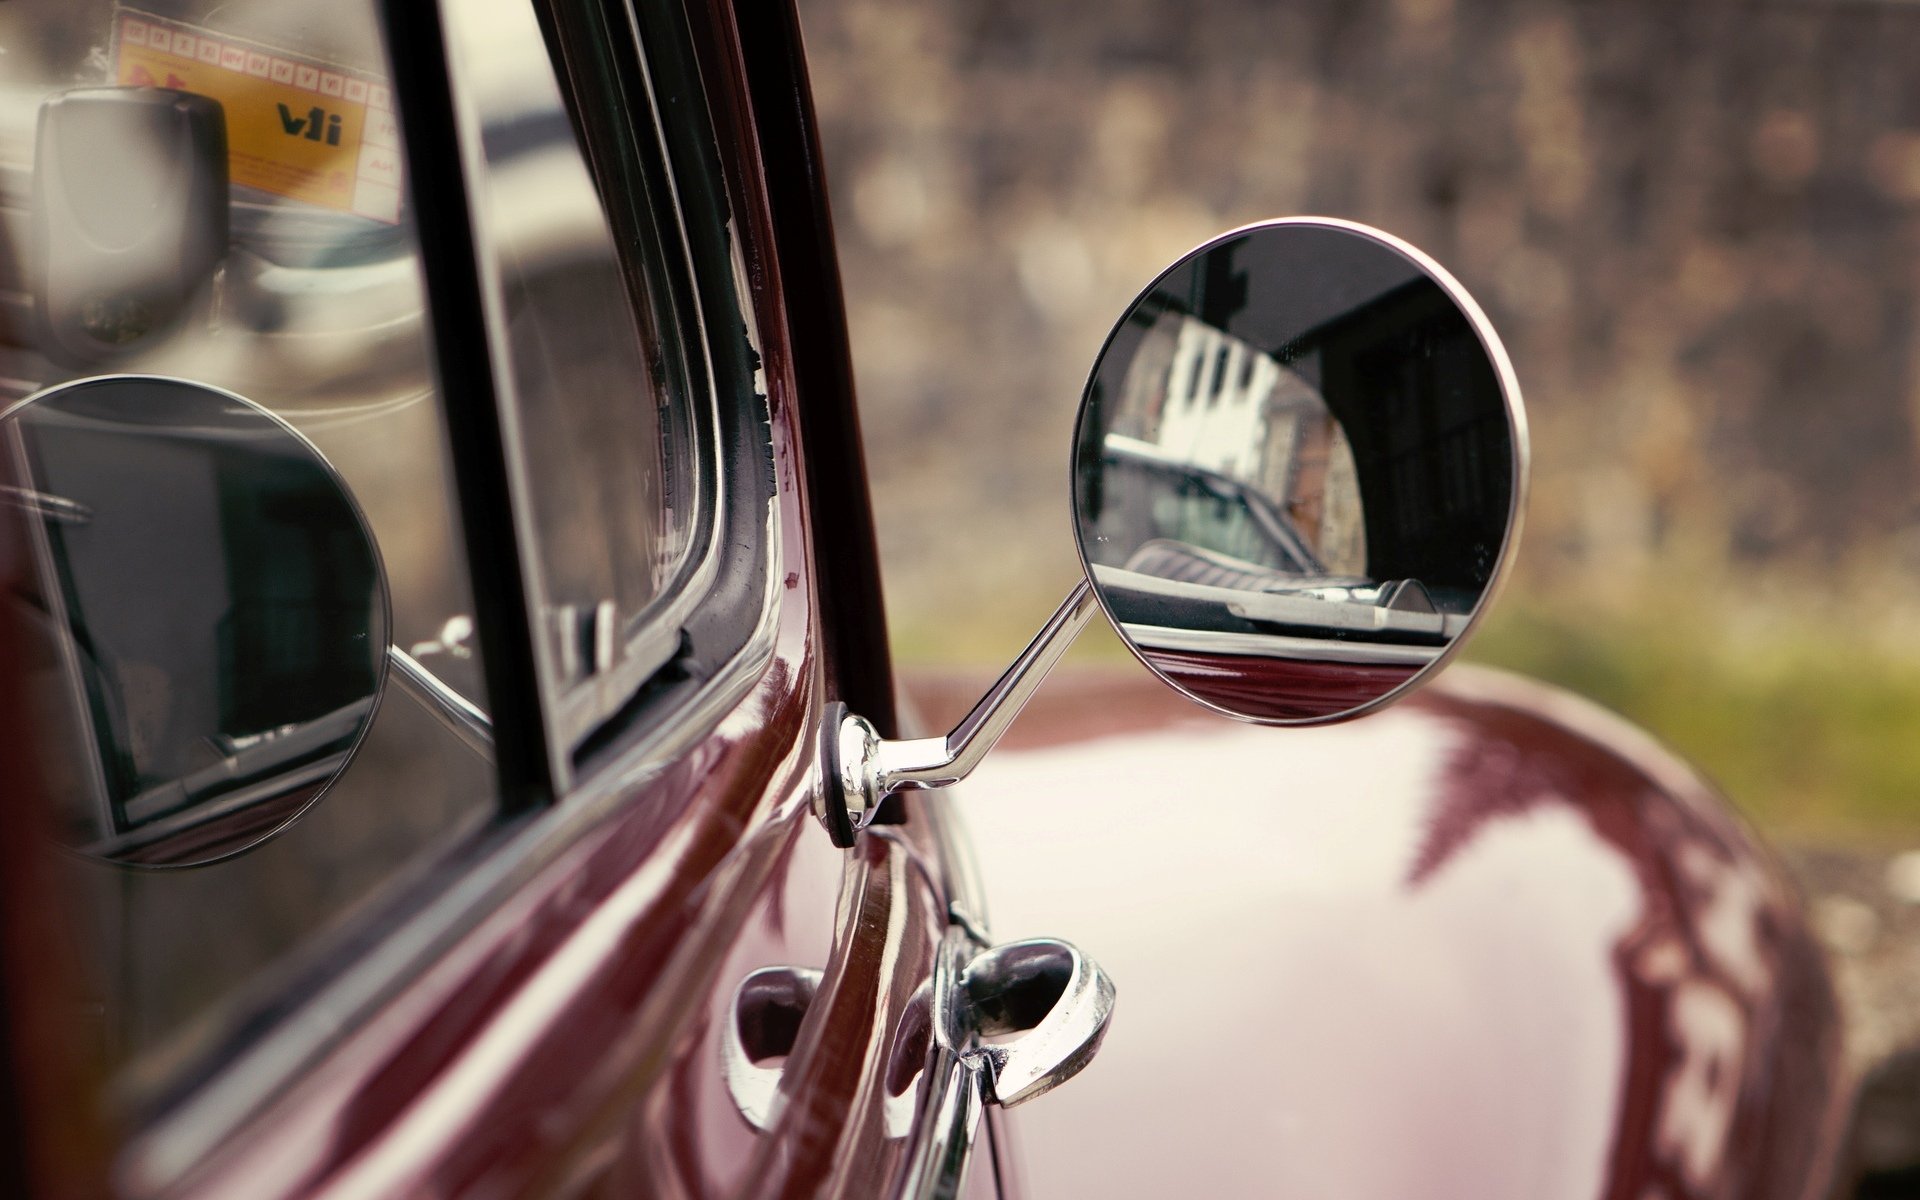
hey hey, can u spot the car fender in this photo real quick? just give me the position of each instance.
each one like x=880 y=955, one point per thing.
x=1491 y=942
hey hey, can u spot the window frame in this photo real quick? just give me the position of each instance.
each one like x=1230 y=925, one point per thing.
x=646 y=235
x=668 y=177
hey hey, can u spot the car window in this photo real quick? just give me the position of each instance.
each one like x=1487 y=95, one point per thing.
x=309 y=305
x=312 y=308
x=605 y=387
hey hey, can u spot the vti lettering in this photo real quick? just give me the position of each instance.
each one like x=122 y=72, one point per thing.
x=317 y=125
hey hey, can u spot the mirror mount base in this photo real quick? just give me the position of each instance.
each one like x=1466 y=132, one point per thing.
x=861 y=768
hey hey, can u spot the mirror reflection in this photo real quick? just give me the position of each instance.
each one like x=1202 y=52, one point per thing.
x=208 y=617
x=1296 y=470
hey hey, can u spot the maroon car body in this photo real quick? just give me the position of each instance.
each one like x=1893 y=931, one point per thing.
x=1487 y=943
x=1527 y=953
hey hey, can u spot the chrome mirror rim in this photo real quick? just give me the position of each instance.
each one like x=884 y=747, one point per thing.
x=1516 y=428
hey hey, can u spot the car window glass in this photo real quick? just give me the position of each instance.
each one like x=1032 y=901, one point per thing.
x=311 y=307
x=602 y=389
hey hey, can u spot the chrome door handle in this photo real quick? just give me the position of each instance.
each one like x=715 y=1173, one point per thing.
x=1056 y=997
x=767 y=1009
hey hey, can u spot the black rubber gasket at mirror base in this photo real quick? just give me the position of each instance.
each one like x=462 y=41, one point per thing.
x=833 y=803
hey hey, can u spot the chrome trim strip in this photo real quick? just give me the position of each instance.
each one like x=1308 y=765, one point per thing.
x=1264 y=645
x=938 y=1170
x=460 y=716
x=937 y=1166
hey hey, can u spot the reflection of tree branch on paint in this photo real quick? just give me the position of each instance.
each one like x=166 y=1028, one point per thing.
x=1704 y=971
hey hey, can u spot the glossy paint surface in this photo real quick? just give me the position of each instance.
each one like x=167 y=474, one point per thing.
x=1491 y=942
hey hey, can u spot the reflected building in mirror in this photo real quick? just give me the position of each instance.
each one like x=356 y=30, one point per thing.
x=1207 y=398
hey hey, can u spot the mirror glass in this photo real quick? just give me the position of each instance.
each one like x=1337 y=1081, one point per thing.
x=1298 y=470
x=206 y=613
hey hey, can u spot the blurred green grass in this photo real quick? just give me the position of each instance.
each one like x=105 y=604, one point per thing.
x=1811 y=724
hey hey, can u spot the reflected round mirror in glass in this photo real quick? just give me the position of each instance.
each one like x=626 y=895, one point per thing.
x=1298 y=470
x=206 y=614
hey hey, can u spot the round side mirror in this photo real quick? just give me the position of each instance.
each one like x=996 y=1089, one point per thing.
x=206 y=610
x=1298 y=472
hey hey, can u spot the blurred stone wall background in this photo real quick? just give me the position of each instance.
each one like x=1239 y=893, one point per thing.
x=1696 y=224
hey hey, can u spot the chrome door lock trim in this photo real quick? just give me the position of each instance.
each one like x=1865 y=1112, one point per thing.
x=861 y=768
x=762 y=1024
x=1057 y=998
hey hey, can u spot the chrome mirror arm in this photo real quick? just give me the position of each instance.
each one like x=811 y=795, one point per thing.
x=863 y=768
x=461 y=717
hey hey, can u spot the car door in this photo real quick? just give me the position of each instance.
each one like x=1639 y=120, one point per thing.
x=566 y=924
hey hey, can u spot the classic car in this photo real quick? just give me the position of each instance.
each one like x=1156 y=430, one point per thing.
x=453 y=749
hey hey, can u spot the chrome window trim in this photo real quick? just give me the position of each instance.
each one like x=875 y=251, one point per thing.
x=557 y=713
x=572 y=710
x=583 y=710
